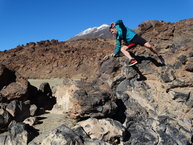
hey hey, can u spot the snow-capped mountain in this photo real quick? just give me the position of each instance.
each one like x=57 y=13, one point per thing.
x=95 y=32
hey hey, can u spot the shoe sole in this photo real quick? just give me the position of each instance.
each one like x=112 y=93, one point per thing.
x=132 y=64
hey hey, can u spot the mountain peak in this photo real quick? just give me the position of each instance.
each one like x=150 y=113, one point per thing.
x=94 y=32
x=103 y=26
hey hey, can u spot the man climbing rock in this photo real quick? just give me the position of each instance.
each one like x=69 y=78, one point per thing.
x=130 y=38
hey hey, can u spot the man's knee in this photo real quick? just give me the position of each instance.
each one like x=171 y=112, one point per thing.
x=148 y=45
x=123 y=48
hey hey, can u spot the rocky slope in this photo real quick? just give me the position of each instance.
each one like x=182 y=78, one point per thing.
x=53 y=59
x=149 y=104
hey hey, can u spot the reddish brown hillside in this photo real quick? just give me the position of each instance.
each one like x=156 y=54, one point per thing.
x=47 y=59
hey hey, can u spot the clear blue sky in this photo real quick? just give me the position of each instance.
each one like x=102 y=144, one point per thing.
x=23 y=21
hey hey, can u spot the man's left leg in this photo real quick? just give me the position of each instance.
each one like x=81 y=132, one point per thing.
x=150 y=47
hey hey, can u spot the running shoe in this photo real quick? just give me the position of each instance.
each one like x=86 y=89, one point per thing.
x=132 y=62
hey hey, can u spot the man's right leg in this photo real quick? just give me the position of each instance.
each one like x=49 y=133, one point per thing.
x=132 y=61
x=125 y=52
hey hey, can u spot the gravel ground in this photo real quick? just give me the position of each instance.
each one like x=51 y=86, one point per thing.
x=48 y=122
x=53 y=82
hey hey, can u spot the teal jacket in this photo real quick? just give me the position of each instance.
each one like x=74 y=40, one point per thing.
x=123 y=33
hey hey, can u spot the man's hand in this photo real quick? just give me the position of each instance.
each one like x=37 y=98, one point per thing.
x=108 y=56
x=113 y=55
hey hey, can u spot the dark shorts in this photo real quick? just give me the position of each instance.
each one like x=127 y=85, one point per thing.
x=136 y=40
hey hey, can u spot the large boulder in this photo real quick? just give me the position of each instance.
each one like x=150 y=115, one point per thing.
x=107 y=130
x=5 y=119
x=83 y=100
x=19 y=134
x=19 y=110
x=6 y=76
x=63 y=136
x=13 y=85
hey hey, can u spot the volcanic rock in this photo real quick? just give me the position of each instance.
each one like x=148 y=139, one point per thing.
x=13 y=84
x=17 y=98
x=82 y=100
x=62 y=135
x=19 y=110
x=19 y=134
x=107 y=130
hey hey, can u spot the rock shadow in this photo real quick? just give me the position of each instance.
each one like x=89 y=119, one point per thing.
x=141 y=76
x=121 y=117
x=120 y=114
x=142 y=58
x=32 y=133
x=40 y=119
x=6 y=77
x=41 y=99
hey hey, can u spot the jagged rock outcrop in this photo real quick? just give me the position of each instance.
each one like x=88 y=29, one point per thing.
x=163 y=94
x=154 y=101
x=154 y=109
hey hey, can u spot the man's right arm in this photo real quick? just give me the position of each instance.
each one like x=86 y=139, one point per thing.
x=118 y=46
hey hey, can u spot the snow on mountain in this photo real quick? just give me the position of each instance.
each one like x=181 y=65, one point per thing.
x=95 y=32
